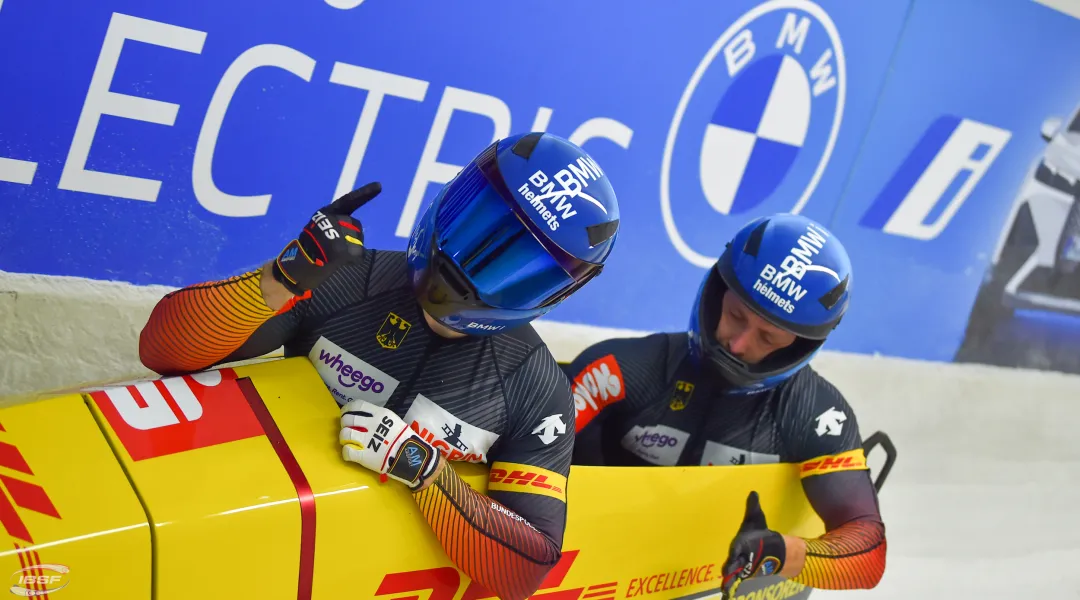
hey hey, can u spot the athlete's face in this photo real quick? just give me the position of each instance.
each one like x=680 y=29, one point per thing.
x=438 y=328
x=746 y=335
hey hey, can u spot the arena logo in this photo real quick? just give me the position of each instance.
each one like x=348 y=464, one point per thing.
x=764 y=141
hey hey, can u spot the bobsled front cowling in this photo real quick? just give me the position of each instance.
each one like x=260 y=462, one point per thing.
x=230 y=483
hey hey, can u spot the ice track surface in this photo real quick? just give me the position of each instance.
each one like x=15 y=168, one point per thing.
x=984 y=499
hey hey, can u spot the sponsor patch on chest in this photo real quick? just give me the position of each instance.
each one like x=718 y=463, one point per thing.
x=721 y=455
x=596 y=386
x=348 y=377
x=658 y=444
x=456 y=439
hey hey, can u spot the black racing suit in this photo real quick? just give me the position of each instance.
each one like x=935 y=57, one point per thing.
x=500 y=400
x=641 y=401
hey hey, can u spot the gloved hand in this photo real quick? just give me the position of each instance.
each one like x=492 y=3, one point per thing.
x=378 y=439
x=756 y=551
x=332 y=238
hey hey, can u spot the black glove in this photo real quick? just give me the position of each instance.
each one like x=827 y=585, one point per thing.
x=331 y=239
x=756 y=550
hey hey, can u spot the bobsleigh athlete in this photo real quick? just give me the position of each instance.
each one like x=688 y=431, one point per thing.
x=430 y=353
x=737 y=389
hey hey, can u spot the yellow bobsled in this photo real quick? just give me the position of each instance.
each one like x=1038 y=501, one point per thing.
x=230 y=484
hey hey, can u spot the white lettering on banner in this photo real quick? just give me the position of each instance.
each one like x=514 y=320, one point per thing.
x=724 y=152
x=954 y=158
x=433 y=171
x=792 y=33
x=821 y=73
x=542 y=119
x=202 y=179
x=100 y=101
x=601 y=127
x=345 y=4
x=378 y=85
x=17 y=171
x=739 y=51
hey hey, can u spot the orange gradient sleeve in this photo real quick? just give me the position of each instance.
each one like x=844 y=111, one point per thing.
x=200 y=325
x=851 y=556
x=495 y=547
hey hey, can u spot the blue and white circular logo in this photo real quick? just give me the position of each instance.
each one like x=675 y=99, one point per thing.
x=754 y=128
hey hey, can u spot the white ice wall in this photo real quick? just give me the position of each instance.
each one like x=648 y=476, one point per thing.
x=987 y=476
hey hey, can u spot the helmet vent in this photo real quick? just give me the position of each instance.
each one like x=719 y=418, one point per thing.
x=451 y=277
x=601 y=232
x=753 y=243
x=831 y=297
x=469 y=182
x=525 y=146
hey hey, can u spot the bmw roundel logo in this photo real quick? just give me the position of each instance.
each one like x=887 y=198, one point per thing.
x=755 y=127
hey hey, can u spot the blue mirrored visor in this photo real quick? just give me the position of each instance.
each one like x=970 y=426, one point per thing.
x=581 y=270
x=501 y=258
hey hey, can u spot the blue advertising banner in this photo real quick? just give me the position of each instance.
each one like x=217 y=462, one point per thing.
x=162 y=143
x=176 y=144
x=949 y=156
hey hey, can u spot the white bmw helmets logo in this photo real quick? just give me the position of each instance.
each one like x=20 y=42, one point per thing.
x=755 y=126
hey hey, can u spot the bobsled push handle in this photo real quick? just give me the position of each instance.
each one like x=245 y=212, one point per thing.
x=880 y=438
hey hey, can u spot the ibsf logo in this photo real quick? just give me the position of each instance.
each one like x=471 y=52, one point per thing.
x=551 y=196
x=39 y=580
x=770 y=133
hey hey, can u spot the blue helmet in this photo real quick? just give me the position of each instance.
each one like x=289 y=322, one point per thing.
x=793 y=273
x=530 y=220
